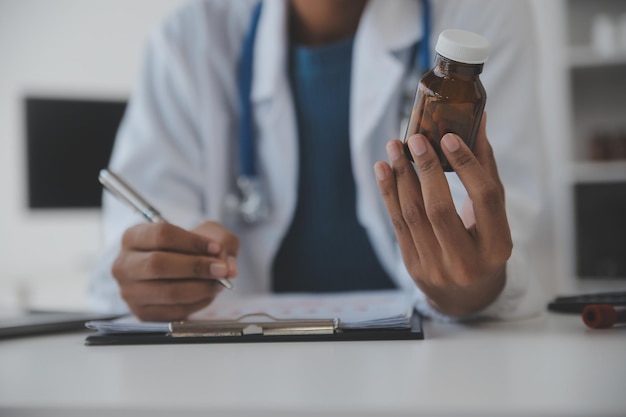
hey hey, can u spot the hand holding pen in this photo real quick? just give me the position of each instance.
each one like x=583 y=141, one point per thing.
x=165 y=272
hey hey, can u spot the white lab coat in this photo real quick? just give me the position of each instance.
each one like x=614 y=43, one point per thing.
x=178 y=140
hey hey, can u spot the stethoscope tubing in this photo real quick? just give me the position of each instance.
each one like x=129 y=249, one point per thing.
x=251 y=202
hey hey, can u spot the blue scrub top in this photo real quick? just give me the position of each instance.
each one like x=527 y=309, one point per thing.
x=325 y=248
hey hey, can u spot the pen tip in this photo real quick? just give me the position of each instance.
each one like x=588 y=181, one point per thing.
x=226 y=283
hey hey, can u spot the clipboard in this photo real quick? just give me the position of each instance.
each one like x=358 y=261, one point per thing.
x=262 y=328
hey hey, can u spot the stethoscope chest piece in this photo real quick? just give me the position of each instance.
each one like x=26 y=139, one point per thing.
x=250 y=202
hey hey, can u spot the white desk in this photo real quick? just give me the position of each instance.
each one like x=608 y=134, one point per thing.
x=547 y=366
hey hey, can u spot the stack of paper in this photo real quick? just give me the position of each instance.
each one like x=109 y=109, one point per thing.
x=355 y=310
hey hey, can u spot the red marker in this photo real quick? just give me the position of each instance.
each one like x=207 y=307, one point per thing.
x=603 y=316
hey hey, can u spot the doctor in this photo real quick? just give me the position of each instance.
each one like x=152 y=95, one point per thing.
x=288 y=107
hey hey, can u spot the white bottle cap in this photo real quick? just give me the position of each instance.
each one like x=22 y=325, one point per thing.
x=463 y=46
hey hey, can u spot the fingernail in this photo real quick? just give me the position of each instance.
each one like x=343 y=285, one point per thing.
x=232 y=265
x=214 y=248
x=451 y=142
x=219 y=269
x=394 y=150
x=380 y=171
x=417 y=145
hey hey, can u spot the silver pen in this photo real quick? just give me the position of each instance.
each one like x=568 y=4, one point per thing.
x=120 y=189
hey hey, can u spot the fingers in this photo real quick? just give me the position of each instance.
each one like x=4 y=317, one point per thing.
x=484 y=152
x=228 y=242
x=388 y=189
x=438 y=204
x=167 y=237
x=484 y=190
x=402 y=193
x=166 y=273
x=155 y=240
x=458 y=264
x=218 y=233
x=171 y=292
x=169 y=312
x=157 y=285
x=138 y=265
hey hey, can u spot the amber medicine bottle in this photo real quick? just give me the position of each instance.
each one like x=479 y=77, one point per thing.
x=450 y=98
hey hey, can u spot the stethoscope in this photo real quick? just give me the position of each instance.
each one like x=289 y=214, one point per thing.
x=251 y=202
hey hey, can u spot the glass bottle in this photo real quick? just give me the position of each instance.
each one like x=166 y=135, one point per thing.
x=450 y=98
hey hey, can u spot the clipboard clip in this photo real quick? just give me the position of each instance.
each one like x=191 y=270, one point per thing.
x=253 y=324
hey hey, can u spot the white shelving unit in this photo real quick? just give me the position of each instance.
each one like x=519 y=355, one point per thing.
x=599 y=172
x=596 y=185
x=585 y=56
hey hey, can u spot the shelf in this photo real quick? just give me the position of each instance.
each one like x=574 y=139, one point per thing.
x=586 y=285
x=591 y=190
x=587 y=57
x=592 y=171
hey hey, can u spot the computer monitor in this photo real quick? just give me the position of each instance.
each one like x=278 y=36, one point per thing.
x=68 y=142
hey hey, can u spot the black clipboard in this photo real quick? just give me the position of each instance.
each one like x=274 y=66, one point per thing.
x=311 y=331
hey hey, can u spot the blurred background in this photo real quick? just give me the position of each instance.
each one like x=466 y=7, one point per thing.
x=67 y=68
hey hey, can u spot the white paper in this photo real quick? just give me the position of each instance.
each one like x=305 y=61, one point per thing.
x=355 y=310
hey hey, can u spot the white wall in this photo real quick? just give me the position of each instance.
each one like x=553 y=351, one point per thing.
x=553 y=252
x=64 y=48
x=91 y=49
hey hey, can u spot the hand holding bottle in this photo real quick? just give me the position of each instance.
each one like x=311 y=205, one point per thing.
x=458 y=261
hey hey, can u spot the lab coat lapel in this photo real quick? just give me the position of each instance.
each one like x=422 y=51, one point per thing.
x=273 y=108
x=276 y=135
x=386 y=29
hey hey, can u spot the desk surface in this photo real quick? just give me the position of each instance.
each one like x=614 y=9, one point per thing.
x=549 y=366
